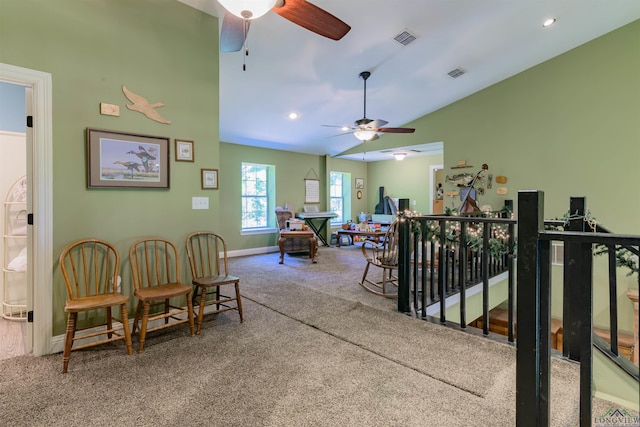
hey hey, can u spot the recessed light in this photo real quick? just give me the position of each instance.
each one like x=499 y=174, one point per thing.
x=294 y=115
x=344 y=128
x=549 y=22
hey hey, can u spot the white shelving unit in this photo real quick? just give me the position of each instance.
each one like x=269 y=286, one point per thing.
x=14 y=265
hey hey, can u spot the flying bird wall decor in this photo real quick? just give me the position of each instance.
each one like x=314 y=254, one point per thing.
x=140 y=104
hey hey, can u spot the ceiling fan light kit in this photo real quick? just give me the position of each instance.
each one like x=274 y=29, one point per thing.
x=364 y=135
x=248 y=9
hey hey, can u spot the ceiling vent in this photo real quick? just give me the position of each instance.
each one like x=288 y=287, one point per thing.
x=454 y=74
x=404 y=38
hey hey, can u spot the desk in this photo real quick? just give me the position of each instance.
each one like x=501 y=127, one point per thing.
x=377 y=235
x=284 y=235
x=321 y=217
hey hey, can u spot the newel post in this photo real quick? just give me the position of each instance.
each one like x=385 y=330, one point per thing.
x=404 y=264
x=533 y=354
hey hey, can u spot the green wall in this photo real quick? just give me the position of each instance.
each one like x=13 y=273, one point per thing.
x=405 y=179
x=161 y=49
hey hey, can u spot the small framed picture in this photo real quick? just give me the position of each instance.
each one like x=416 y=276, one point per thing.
x=360 y=183
x=184 y=150
x=210 y=179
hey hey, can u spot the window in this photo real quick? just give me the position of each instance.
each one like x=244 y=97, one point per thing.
x=257 y=196
x=340 y=192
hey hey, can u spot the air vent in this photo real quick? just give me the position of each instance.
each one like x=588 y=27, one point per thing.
x=404 y=38
x=454 y=74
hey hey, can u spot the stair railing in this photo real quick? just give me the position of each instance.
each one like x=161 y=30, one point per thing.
x=534 y=308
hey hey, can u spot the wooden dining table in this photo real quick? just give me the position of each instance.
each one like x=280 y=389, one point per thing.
x=376 y=235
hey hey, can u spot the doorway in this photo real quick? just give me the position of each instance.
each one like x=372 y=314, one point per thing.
x=436 y=199
x=38 y=174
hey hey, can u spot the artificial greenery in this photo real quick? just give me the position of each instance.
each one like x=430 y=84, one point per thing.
x=499 y=245
x=624 y=257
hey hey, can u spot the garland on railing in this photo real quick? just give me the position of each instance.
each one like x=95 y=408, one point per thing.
x=498 y=244
x=624 y=257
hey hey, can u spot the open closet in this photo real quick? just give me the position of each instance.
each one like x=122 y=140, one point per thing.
x=14 y=266
x=13 y=221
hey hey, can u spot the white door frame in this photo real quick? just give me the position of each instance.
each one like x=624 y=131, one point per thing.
x=39 y=170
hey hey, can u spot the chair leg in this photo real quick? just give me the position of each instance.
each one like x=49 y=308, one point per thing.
x=125 y=327
x=203 y=295
x=364 y=276
x=68 y=340
x=136 y=318
x=109 y=322
x=384 y=281
x=143 y=328
x=239 y=301
x=190 y=313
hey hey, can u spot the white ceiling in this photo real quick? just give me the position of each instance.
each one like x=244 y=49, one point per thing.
x=291 y=69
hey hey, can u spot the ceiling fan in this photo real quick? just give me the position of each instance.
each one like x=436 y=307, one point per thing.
x=366 y=129
x=239 y=13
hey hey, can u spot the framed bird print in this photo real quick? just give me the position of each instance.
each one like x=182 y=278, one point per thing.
x=184 y=150
x=121 y=159
x=209 y=179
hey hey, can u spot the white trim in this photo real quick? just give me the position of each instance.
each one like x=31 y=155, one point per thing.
x=42 y=201
x=434 y=309
x=253 y=251
x=9 y=133
x=250 y=232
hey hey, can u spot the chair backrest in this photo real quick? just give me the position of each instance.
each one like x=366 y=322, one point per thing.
x=154 y=262
x=283 y=216
x=90 y=267
x=207 y=252
x=389 y=252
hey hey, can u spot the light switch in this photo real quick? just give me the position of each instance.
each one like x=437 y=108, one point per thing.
x=199 y=203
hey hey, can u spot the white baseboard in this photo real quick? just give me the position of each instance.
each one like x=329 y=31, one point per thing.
x=253 y=251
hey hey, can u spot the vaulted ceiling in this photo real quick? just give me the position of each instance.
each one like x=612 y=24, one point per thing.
x=290 y=69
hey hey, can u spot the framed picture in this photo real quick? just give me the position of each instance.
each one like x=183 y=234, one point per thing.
x=210 y=179
x=125 y=160
x=360 y=183
x=359 y=194
x=184 y=150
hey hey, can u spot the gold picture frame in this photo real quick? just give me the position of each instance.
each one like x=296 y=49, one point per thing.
x=184 y=150
x=209 y=179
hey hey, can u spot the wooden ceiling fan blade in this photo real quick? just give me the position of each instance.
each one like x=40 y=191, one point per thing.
x=396 y=130
x=233 y=33
x=313 y=18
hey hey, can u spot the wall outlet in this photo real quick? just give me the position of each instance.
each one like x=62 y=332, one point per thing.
x=199 y=203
